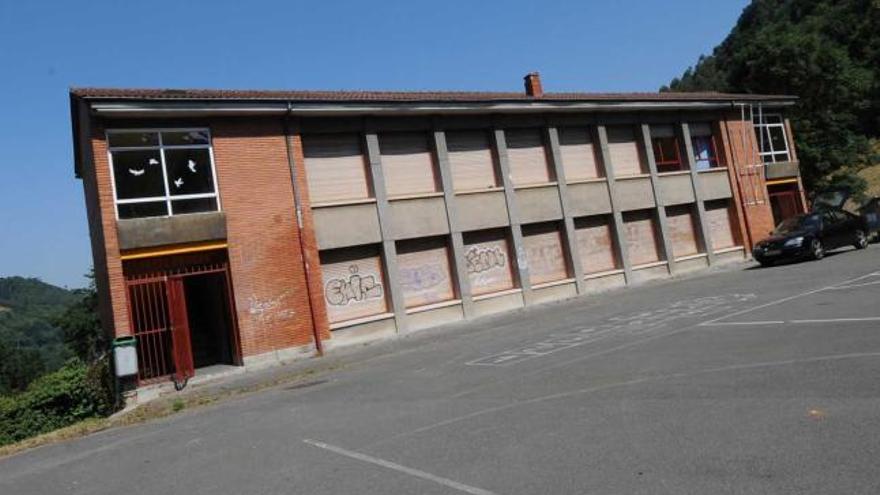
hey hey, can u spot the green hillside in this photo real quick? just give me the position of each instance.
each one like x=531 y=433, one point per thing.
x=30 y=344
x=824 y=51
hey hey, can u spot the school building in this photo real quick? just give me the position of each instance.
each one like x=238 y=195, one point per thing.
x=243 y=227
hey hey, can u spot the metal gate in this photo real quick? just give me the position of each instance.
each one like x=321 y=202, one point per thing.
x=159 y=320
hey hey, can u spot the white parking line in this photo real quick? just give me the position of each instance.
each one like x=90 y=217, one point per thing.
x=788 y=322
x=713 y=322
x=397 y=467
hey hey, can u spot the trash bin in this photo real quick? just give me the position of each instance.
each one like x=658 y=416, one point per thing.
x=125 y=356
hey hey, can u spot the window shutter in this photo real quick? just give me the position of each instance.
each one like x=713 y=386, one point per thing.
x=543 y=245
x=578 y=155
x=335 y=168
x=407 y=163
x=624 y=151
x=527 y=157
x=354 y=286
x=489 y=266
x=682 y=230
x=595 y=242
x=425 y=276
x=642 y=241
x=471 y=161
x=718 y=214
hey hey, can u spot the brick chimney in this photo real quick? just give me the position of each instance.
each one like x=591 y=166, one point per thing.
x=533 y=85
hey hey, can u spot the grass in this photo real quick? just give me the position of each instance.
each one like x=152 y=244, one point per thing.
x=161 y=408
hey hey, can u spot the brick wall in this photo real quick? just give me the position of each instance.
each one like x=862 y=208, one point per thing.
x=741 y=149
x=266 y=263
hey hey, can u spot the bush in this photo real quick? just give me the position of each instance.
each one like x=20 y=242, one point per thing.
x=75 y=392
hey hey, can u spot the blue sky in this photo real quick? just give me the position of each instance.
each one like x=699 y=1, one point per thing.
x=46 y=47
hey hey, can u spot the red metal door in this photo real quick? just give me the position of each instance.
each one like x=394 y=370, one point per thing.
x=180 y=338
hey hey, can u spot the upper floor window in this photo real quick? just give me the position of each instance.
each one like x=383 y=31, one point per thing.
x=666 y=149
x=770 y=134
x=162 y=172
x=705 y=150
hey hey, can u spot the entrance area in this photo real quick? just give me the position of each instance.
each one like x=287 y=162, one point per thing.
x=182 y=314
x=785 y=201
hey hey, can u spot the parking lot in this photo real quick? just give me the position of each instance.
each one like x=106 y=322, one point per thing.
x=743 y=380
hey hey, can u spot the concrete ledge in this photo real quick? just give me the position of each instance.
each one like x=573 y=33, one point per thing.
x=373 y=331
x=691 y=264
x=434 y=317
x=651 y=271
x=553 y=292
x=137 y=233
x=601 y=283
x=506 y=301
x=782 y=170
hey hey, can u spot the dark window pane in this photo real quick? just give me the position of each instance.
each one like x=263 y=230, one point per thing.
x=182 y=206
x=780 y=157
x=189 y=171
x=138 y=174
x=704 y=153
x=763 y=137
x=139 y=210
x=778 y=136
x=185 y=137
x=120 y=139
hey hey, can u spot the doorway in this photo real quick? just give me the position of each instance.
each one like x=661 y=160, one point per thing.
x=785 y=201
x=208 y=316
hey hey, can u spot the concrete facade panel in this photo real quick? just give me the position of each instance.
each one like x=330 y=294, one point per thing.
x=538 y=204
x=349 y=225
x=589 y=198
x=635 y=194
x=418 y=217
x=715 y=184
x=479 y=211
x=676 y=189
x=137 y=233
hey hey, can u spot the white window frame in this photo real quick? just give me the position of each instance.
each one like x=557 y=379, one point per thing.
x=167 y=198
x=759 y=126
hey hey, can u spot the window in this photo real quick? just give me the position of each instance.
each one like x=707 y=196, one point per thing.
x=705 y=150
x=354 y=286
x=471 y=160
x=335 y=168
x=719 y=216
x=667 y=155
x=408 y=164
x=544 y=252
x=624 y=152
x=578 y=154
x=642 y=240
x=682 y=230
x=770 y=134
x=527 y=156
x=162 y=172
x=488 y=261
x=424 y=268
x=594 y=237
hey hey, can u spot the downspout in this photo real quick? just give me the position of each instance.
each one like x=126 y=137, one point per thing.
x=319 y=346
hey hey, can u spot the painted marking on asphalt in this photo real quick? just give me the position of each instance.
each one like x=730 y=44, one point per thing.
x=789 y=298
x=789 y=322
x=742 y=323
x=397 y=467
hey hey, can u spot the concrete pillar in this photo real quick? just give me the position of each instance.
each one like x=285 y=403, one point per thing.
x=647 y=149
x=619 y=232
x=522 y=262
x=458 y=250
x=389 y=249
x=684 y=135
x=574 y=258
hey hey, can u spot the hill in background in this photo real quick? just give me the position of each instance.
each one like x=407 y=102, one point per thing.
x=827 y=52
x=30 y=344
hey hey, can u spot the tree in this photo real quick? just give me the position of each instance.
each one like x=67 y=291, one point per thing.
x=827 y=53
x=81 y=324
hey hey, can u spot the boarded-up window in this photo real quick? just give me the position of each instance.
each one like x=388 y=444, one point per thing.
x=425 y=276
x=642 y=238
x=594 y=237
x=624 y=153
x=354 y=285
x=488 y=261
x=546 y=258
x=408 y=164
x=578 y=154
x=682 y=226
x=471 y=160
x=721 y=224
x=527 y=157
x=335 y=168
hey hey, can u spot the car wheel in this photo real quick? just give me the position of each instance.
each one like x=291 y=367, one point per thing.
x=861 y=240
x=817 y=251
x=765 y=263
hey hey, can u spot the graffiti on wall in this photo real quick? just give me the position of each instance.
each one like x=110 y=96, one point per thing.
x=480 y=259
x=353 y=288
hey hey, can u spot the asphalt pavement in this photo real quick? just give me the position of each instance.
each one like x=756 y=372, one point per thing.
x=744 y=380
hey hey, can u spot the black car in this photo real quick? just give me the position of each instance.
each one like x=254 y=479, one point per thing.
x=810 y=235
